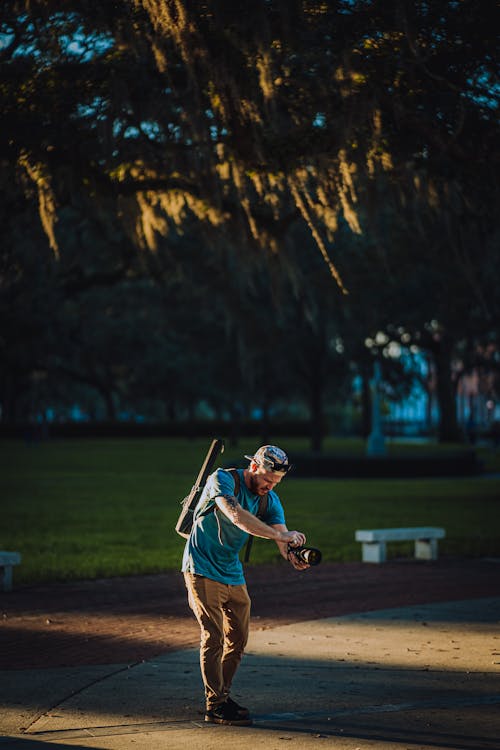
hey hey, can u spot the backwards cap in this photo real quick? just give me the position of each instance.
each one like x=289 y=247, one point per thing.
x=271 y=458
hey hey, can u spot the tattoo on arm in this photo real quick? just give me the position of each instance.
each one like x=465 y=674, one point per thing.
x=231 y=506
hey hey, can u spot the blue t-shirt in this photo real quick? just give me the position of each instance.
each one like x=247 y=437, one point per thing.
x=213 y=547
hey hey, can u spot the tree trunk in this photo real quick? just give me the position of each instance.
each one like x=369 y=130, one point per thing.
x=107 y=396
x=9 y=398
x=170 y=410
x=317 y=415
x=235 y=428
x=366 y=402
x=448 y=429
x=429 y=386
x=265 y=427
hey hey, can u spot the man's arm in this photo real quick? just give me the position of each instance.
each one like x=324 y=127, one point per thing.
x=246 y=521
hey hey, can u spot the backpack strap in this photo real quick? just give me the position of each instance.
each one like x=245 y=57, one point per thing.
x=261 y=510
x=236 y=478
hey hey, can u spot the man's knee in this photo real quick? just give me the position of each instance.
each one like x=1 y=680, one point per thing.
x=235 y=646
x=211 y=637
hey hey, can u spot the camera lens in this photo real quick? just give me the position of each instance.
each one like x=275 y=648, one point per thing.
x=311 y=556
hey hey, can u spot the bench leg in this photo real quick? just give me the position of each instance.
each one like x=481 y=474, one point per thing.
x=374 y=552
x=6 y=577
x=426 y=549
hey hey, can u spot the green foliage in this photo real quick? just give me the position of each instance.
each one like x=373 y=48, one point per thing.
x=98 y=508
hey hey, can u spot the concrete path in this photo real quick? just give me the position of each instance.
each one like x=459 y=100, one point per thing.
x=404 y=679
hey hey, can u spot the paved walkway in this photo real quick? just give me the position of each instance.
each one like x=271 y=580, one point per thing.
x=128 y=620
x=403 y=678
x=404 y=655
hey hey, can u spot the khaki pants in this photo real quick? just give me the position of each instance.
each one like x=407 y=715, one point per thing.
x=223 y=613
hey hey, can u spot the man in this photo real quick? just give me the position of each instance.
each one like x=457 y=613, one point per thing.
x=216 y=586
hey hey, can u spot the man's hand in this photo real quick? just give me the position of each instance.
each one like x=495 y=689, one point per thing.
x=294 y=538
x=296 y=562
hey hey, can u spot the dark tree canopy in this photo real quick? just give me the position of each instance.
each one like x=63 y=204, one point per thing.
x=242 y=116
x=160 y=141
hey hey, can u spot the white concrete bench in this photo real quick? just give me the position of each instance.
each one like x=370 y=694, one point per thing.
x=7 y=560
x=375 y=541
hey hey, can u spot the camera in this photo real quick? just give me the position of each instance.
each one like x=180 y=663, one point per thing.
x=308 y=555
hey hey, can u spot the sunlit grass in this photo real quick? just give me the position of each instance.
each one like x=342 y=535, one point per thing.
x=95 y=508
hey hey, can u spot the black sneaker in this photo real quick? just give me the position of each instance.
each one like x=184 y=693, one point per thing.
x=241 y=710
x=227 y=714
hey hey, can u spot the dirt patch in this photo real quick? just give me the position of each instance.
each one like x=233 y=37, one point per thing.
x=128 y=620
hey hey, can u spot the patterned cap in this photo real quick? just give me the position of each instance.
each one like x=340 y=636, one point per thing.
x=271 y=458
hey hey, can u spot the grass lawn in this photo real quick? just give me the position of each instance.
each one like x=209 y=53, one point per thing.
x=94 y=508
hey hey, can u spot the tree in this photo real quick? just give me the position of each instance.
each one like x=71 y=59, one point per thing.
x=428 y=290
x=138 y=122
x=243 y=116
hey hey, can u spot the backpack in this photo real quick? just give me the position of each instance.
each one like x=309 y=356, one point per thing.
x=185 y=521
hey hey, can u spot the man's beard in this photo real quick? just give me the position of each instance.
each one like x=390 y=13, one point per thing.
x=254 y=484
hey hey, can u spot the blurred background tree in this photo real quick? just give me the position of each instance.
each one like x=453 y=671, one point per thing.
x=188 y=163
